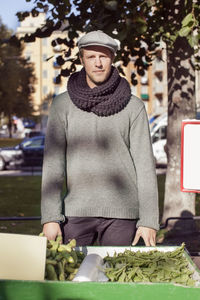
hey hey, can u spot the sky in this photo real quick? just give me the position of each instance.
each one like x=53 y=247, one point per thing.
x=8 y=9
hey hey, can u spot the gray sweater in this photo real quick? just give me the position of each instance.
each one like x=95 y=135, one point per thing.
x=107 y=163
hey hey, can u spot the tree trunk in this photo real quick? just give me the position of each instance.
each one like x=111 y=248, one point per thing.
x=181 y=105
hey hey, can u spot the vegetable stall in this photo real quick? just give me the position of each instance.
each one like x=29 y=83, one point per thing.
x=96 y=272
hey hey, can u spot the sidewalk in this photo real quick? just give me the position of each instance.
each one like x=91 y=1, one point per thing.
x=22 y=172
x=38 y=171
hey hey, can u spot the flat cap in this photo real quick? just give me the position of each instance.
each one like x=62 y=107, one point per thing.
x=98 y=38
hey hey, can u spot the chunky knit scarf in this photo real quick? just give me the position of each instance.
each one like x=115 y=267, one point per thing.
x=104 y=100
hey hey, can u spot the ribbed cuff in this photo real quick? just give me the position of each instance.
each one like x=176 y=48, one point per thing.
x=55 y=219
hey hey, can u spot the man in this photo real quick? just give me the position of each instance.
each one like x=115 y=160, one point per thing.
x=98 y=139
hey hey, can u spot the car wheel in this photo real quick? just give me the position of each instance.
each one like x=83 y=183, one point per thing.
x=2 y=164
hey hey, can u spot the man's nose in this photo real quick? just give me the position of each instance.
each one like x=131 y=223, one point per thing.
x=98 y=61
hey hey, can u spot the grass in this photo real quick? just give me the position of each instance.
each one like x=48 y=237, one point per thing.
x=7 y=142
x=20 y=196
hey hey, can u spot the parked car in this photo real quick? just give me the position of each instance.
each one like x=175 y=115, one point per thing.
x=33 y=133
x=159 y=138
x=28 y=153
x=4 y=131
x=28 y=123
x=160 y=155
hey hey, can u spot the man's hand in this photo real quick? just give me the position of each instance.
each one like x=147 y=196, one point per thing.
x=51 y=230
x=148 y=235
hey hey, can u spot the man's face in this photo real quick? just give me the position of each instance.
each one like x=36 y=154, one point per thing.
x=97 y=61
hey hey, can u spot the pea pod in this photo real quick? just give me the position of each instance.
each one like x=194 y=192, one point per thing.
x=51 y=262
x=61 y=272
x=62 y=261
x=51 y=273
x=150 y=266
x=69 y=269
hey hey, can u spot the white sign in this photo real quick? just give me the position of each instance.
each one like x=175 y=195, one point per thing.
x=22 y=257
x=190 y=156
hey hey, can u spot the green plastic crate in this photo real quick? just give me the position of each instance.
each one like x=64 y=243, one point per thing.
x=51 y=290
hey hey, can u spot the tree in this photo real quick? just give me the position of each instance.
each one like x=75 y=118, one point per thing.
x=140 y=25
x=16 y=80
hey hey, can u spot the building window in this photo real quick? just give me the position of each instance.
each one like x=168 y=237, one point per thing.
x=145 y=97
x=56 y=65
x=44 y=74
x=144 y=80
x=44 y=57
x=28 y=55
x=55 y=79
x=159 y=75
x=45 y=90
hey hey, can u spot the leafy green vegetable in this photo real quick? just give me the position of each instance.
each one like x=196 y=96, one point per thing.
x=151 y=266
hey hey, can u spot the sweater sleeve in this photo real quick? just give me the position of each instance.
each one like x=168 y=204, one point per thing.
x=142 y=155
x=54 y=166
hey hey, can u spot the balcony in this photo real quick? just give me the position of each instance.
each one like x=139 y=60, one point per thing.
x=144 y=80
x=144 y=97
x=159 y=66
x=158 y=88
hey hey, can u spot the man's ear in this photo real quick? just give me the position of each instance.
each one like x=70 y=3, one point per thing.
x=112 y=57
x=81 y=60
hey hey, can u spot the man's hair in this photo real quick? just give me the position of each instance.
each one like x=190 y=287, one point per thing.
x=81 y=52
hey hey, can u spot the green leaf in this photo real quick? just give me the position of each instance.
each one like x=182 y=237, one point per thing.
x=194 y=42
x=173 y=37
x=191 y=41
x=184 y=31
x=187 y=19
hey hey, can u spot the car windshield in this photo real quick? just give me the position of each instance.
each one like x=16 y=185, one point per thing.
x=32 y=143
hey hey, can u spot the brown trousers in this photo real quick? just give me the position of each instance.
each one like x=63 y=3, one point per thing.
x=103 y=231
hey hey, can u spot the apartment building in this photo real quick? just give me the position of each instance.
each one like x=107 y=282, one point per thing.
x=43 y=56
x=152 y=87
